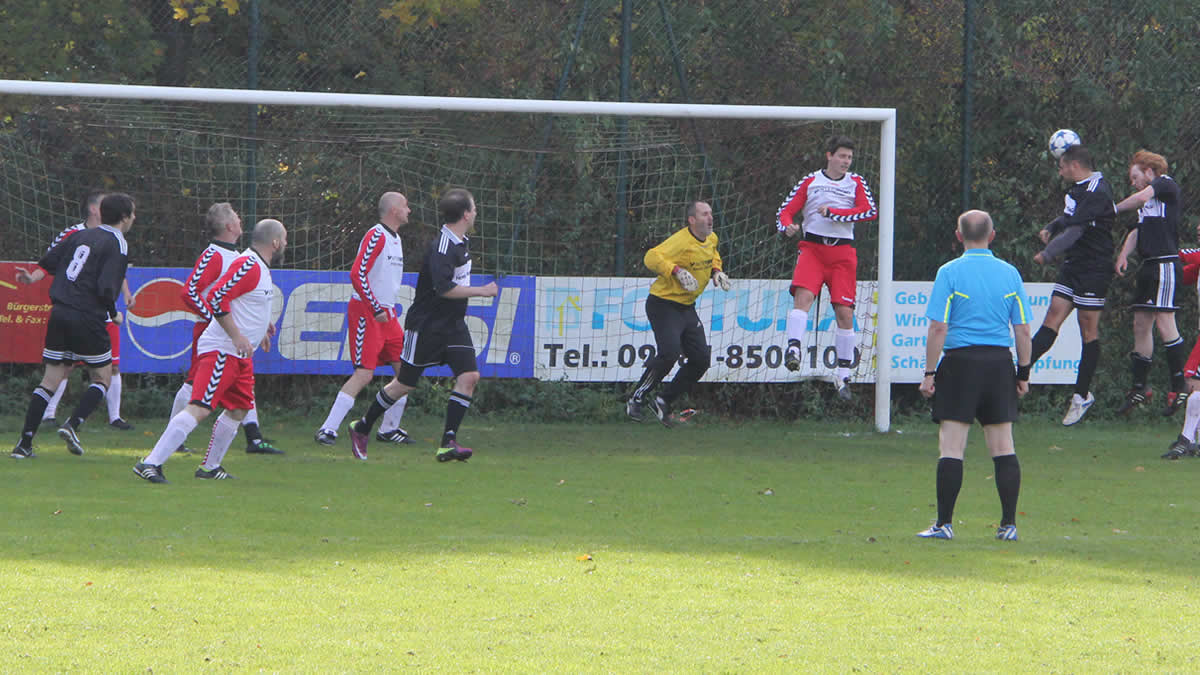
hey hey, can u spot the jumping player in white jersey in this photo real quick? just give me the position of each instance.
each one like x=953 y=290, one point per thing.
x=831 y=201
x=376 y=335
x=241 y=307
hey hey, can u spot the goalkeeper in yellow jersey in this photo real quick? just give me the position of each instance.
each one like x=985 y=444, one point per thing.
x=685 y=263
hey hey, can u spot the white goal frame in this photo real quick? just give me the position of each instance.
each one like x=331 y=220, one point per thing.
x=885 y=116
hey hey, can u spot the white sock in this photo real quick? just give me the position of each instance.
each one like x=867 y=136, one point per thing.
x=251 y=417
x=797 y=323
x=182 y=398
x=1193 y=417
x=844 y=342
x=393 y=415
x=113 y=398
x=172 y=437
x=224 y=431
x=52 y=406
x=341 y=407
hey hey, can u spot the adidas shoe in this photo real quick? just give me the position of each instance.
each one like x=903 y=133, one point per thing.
x=1181 y=448
x=22 y=452
x=68 y=434
x=936 y=531
x=149 y=472
x=842 y=387
x=358 y=442
x=661 y=410
x=1006 y=533
x=262 y=447
x=1175 y=401
x=121 y=425
x=451 y=450
x=396 y=435
x=218 y=473
x=635 y=409
x=1079 y=406
x=792 y=358
x=325 y=437
x=1133 y=399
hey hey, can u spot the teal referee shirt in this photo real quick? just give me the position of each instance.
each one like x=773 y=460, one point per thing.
x=978 y=296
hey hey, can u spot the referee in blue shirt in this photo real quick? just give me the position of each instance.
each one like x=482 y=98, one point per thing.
x=974 y=300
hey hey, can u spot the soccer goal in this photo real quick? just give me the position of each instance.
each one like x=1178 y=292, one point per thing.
x=571 y=194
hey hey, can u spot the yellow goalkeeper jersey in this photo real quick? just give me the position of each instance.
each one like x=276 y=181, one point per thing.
x=685 y=250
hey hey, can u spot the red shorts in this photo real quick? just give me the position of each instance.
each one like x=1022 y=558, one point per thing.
x=114 y=337
x=1193 y=362
x=224 y=381
x=197 y=331
x=832 y=266
x=372 y=343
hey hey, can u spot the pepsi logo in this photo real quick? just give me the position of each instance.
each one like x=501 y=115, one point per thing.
x=157 y=304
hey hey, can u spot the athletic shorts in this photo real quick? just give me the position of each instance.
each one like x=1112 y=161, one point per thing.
x=1156 y=284
x=224 y=381
x=74 y=336
x=372 y=343
x=114 y=340
x=425 y=349
x=832 y=266
x=976 y=383
x=1085 y=287
x=197 y=331
x=1193 y=362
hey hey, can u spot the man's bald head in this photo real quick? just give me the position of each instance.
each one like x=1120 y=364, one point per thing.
x=975 y=227
x=393 y=209
x=268 y=230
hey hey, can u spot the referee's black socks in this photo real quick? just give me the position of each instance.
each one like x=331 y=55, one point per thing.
x=949 y=482
x=38 y=401
x=87 y=404
x=1008 y=486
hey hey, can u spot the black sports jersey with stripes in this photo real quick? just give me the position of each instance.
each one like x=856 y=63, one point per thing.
x=1158 y=221
x=445 y=265
x=88 y=268
x=1089 y=204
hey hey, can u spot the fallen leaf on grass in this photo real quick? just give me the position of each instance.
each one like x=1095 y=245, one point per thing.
x=57 y=512
x=1117 y=531
x=518 y=502
x=1139 y=469
x=766 y=493
x=583 y=558
x=562 y=482
x=1055 y=448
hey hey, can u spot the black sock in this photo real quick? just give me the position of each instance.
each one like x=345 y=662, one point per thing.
x=1008 y=485
x=1140 y=367
x=1177 y=353
x=949 y=481
x=1089 y=358
x=456 y=410
x=38 y=400
x=88 y=403
x=1043 y=340
x=379 y=406
x=253 y=433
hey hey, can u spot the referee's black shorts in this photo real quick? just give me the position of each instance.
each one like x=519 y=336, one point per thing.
x=976 y=383
x=73 y=336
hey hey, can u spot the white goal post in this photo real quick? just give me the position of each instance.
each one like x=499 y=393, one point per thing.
x=886 y=117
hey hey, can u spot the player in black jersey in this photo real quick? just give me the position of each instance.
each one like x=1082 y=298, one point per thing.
x=435 y=327
x=1155 y=237
x=1082 y=238
x=89 y=269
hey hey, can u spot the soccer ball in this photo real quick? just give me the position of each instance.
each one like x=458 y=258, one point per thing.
x=1061 y=140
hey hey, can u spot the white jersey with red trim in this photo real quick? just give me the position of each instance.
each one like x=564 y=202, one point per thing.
x=244 y=290
x=849 y=200
x=214 y=261
x=378 y=269
x=66 y=233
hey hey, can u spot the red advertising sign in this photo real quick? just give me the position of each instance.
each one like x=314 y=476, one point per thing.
x=24 y=311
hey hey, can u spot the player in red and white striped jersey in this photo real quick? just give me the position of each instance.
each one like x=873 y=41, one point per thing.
x=1185 y=445
x=240 y=302
x=831 y=201
x=225 y=228
x=376 y=336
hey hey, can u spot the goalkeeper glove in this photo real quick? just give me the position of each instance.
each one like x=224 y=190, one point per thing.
x=721 y=280
x=685 y=278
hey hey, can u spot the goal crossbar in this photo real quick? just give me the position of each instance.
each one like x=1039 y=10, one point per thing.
x=885 y=116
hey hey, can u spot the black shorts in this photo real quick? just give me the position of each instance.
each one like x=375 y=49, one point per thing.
x=1157 y=281
x=1086 y=287
x=976 y=383
x=425 y=349
x=73 y=336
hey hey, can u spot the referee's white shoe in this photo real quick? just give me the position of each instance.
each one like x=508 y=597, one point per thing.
x=1079 y=406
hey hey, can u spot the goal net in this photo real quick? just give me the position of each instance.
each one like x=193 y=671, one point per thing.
x=570 y=197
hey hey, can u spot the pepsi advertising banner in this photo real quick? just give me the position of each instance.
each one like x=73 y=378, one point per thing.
x=311 y=326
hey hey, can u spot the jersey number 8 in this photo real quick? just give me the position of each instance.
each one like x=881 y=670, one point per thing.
x=77 y=261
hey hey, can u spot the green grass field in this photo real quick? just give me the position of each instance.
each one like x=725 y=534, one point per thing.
x=722 y=547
